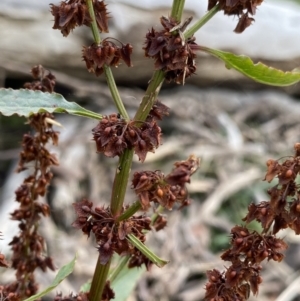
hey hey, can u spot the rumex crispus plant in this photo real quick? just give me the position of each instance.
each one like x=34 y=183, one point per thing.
x=116 y=228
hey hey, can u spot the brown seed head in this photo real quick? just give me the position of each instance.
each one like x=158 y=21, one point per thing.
x=172 y=54
x=240 y=8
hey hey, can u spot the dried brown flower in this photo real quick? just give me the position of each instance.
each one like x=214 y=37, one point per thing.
x=158 y=111
x=109 y=233
x=113 y=134
x=137 y=259
x=171 y=52
x=240 y=8
x=107 y=53
x=42 y=81
x=160 y=222
x=72 y=13
x=8 y=293
x=154 y=187
x=283 y=209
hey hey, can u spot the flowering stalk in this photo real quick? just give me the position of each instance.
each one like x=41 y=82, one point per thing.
x=122 y=173
x=158 y=76
x=249 y=248
x=125 y=161
x=120 y=182
x=193 y=29
x=107 y=70
x=99 y=280
x=29 y=246
x=177 y=9
x=150 y=96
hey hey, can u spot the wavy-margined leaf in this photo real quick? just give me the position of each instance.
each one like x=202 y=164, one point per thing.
x=258 y=72
x=65 y=271
x=26 y=102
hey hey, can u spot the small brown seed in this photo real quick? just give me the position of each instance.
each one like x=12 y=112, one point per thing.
x=177 y=40
x=289 y=173
x=263 y=211
x=86 y=209
x=159 y=192
x=239 y=240
x=99 y=52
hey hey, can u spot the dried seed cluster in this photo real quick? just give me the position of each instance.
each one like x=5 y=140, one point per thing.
x=8 y=295
x=240 y=8
x=109 y=233
x=107 y=53
x=72 y=13
x=284 y=206
x=153 y=186
x=29 y=246
x=249 y=249
x=42 y=81
x=113 y=134
x=171 y=52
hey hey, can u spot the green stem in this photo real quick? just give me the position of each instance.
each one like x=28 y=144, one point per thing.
x=115 y=92
x=101 y=271
x=159 y=210
x=121 y=264
x=120 y=182
x=135 y=207
x=94 y=26
x=177 y=9
x=99 y=280
x=150 y=96
x=190 y=32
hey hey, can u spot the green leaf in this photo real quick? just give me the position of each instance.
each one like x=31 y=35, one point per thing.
x=65 y=271
x=124 y=284
x=144 y=250
x=26 y=102
x=258 y=72
x=123 y=279
x=85 y=287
